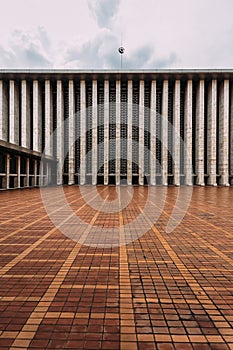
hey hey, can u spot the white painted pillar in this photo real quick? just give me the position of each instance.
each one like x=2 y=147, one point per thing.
x=18 y=171
x=224 y=133
x=37 y=116
x=211 y=133
x=48 y=119
x=83 y=132
x=153 y=134
x=7 y=171
x=164 y=134
x=94 y=132
x=14 y=113
x=141 y=133
x=60 y=132
x=129 y=132
x=47 y=174
x=41 y=178
x=25 y=115
x=106 y=130
x=231 y=142
x=200 y=133
x=118 y=131
x=27 y=171
x=35 y=172
x=50 y=174
x=176 y=134
x=188 y=169
x=3 y=111
x=71 y=126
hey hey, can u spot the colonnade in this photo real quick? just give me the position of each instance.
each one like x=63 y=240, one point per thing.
x=19 y=171
x=188 y=120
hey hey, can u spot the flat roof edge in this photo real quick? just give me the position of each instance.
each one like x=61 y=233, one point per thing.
x=117 y=71
x=83 y=74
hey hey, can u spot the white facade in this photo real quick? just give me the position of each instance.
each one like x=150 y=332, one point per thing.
x=140 y=127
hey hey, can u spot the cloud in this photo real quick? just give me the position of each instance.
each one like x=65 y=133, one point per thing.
x=99 y=52
x=103 y=11
x=34 y=50
x=27 y=50
x=145 y=57
x=102 y=52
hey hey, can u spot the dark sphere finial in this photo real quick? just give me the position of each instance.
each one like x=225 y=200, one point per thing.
x=121 y=50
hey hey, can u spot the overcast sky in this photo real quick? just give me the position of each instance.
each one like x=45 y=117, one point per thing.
x=87 y=33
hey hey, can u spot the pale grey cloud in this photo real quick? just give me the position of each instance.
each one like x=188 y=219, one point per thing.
x=145 y=57
x=103 y=10
x=27 y=50
x=87 y=34
x=102 y=52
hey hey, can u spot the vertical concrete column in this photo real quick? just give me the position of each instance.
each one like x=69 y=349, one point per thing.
x=41 y=178
x=48 y=119
x=94 y=132
x=25 y=115
x=231 y=141
x=71 y=127
x=83 y=132
x=27 y=171
x=211 y=133
x=50 y=174
x=47 y=174
x=106 y=130
x=60 y=132
x=14 y=113
x=224 y=133
x=153 y=134
x=164 y=133
x=3 y=111
x=176 y=134
x=188 y=171
x=7 y=171
x=35 y=172
x=118 y=131
x=129 y=132
x=200 y=133
x=141 y=133
x=37 y=116
x=18 y=171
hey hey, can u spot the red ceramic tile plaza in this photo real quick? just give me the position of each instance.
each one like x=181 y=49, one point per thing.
x=163 y=290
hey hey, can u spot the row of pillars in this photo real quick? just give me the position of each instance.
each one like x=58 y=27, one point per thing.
x=17 y=105
x=217 y=154
x=41 y=175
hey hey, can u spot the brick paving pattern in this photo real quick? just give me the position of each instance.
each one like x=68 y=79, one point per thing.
x=163 y=291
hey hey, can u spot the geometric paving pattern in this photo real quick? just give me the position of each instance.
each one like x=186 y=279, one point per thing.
x=163 y=291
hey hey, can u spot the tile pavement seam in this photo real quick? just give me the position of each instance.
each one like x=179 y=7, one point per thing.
x=181 y=267
x=209 y=223
x=125 y=289
x=197 y=217
x=28 y=225
x=21 y=215
x=209 y=245
x=11 y=206
x=12 y=263
x=50 y=293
